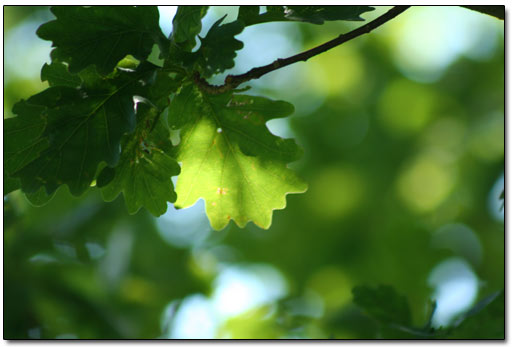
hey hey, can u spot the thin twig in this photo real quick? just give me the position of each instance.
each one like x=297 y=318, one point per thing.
x=233 y=81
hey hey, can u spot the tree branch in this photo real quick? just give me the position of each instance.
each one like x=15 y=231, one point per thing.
x=233 y=81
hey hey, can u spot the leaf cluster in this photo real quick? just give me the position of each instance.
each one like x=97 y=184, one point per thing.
x=106 y=118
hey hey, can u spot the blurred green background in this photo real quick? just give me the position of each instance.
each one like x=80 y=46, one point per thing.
x=403 y=133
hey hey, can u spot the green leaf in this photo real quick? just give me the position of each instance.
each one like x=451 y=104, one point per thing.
x=22 y=134
x=84 y=128
x=309 y=14
x=186 y=25
x=10 y=184
x=39 y=198
x=218 y=48
x=229 y=157
x=102 y=35
x=245 y=13
x=145 y=169
x=319 y=14
x=383 y=303
x=57 y=74
x=164 y=84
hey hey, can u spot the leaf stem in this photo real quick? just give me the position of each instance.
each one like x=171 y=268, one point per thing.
x=233 y=81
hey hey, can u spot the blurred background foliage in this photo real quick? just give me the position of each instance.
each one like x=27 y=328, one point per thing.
x=403 y=133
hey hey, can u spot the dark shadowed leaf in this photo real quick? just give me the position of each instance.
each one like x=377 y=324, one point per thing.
x=57 y=74
x=309 y=14
x=39 y=198
x=319 y=14
x=248 y=12
x=186 y=25
x=84 y=128
x=10 y=184
x=383 y=303
x=218 y=48
x=22 y=134
x=102 y=35
x=145 y=168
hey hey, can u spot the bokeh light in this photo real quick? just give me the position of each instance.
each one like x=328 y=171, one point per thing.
x=456 y=288
x=403 y=134
x=425 y=182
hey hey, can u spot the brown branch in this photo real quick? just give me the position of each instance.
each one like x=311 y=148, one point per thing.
x=233 y=81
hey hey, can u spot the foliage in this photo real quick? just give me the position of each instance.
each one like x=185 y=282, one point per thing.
x=229 y=157
x=485 y=320
x=385 y=179
x=88 y=116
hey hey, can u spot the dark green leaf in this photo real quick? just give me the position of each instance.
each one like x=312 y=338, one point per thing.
x=102 y=35
x=84 y=128
x=10 y=184
x=39 y=198
x=105 y=177
x=383 y=303
x=218 y=48
x=229 y=157
x=57 y=74
x=163 y=86
x=145 y=169
x=22 y=134
x=186 y=25
x=319 y=14
x=246 y=13
x=310 y=14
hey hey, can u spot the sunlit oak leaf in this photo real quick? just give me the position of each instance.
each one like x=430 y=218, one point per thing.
x=102 y=35
x=144 y=171
x=229 y=157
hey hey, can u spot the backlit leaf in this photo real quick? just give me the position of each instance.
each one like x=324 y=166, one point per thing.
x=229 y=157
